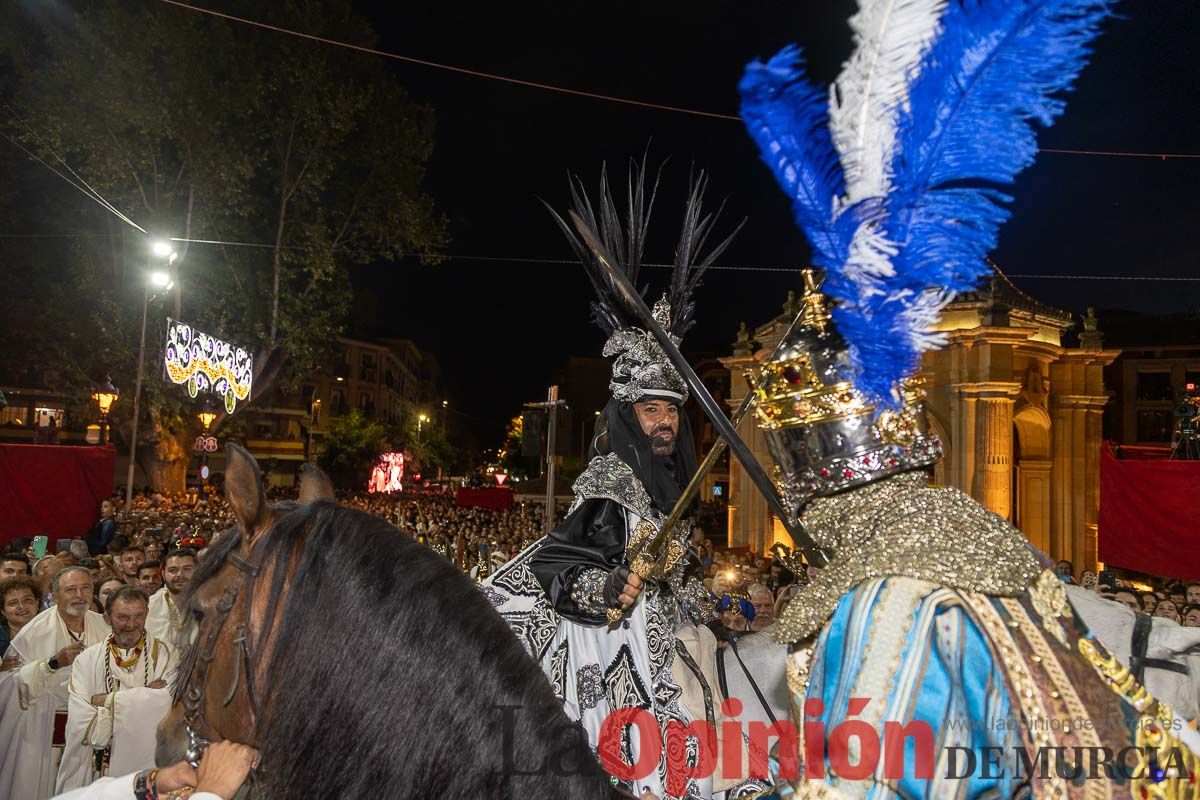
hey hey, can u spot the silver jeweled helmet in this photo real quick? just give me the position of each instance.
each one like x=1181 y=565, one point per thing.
x=824 y=435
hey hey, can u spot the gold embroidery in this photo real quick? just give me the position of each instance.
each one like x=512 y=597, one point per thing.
x=1025 y=689
x=676 y=550
x=1117 y=674
x=641 y=533
x=1153 y=733
x=1049 y=598
x=1077 y=712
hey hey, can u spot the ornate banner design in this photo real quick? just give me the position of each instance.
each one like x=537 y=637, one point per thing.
x=207 y=364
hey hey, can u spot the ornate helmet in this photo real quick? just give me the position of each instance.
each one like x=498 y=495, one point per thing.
x=894 y=177
x=824 y=433
x=640 y=368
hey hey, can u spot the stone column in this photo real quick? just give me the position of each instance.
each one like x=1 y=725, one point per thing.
x=741 y=491
x=994 y=454
x=991 y=482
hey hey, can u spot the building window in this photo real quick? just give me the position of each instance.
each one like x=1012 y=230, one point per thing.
x=43 y=416
x=337 y=399
x=366 y=401
x=1155 y=387
x=369 y=368
x=14 y=416
x=1155 y=425
x=1193 y=378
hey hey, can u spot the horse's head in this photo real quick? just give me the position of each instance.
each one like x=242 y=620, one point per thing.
x=218 y=684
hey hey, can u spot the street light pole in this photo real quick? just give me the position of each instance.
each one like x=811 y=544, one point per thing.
x=137 y=396
x=162 y=281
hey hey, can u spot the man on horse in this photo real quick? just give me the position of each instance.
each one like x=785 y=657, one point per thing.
x=936 y=654
x=559 y=593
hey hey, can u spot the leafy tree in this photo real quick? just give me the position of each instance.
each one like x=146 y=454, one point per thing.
x=353 y=445
x=200 y=128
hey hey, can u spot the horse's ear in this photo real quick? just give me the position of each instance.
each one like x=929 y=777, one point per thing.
x=244 y=491
x=314 y=485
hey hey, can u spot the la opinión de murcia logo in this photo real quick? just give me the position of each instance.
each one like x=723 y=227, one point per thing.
x=851 y=750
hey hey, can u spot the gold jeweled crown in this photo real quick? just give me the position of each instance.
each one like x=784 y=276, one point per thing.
x=823 y=434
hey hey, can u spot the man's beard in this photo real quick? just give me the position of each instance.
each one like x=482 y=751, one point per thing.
x=127 y=639
x=662 y=441
x=76 y=609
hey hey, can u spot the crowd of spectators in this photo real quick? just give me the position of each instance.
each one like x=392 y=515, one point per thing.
x=1177 y=601
x=750 y=589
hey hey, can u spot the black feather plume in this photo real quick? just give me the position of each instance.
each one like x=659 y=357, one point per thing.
x=625 y=241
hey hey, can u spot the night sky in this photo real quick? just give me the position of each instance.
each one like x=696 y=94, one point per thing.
x=499 y=329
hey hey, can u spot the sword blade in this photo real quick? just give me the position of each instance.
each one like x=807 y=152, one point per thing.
x=737 y=446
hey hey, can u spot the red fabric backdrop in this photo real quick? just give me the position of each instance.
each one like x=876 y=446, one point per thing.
x=1150 y=515
x=495 y=499
x=52 y=490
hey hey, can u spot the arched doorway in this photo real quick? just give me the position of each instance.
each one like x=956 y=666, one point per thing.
x=1031 y=474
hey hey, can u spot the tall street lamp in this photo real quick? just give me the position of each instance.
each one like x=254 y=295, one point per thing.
x=104 y=396
x=161 y=282
x=421 y=420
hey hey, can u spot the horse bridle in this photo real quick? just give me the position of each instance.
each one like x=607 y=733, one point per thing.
x=193 y=694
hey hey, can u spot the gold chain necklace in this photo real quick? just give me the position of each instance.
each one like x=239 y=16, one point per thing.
x=126 y=663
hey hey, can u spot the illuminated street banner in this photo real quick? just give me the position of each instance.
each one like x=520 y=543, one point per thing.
x=207 y=364
x=388 y=474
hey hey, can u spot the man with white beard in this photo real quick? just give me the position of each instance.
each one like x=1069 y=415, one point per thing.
x=119 y=692
x=167 y=621
x=33 y=700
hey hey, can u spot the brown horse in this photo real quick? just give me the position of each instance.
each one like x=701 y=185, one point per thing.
x=361 y=664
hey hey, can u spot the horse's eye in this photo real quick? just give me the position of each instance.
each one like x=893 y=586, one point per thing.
x=198 y=614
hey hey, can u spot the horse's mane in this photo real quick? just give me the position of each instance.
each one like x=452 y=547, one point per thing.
x=391 y=672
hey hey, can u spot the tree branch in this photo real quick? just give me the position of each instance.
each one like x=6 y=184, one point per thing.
x=132 y=170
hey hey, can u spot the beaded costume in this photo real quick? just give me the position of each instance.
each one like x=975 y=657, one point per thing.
x=936 y=655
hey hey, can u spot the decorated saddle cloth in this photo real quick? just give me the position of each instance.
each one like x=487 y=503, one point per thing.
x=916 y=687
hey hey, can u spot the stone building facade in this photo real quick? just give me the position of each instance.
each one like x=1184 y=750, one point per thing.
x=1019 y=413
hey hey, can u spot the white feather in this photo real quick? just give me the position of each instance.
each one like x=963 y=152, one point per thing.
x=890 y=38
x=919 y=319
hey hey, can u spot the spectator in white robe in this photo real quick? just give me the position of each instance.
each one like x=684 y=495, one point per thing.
x=120 y=689
x=168 y=621
x=33 y=699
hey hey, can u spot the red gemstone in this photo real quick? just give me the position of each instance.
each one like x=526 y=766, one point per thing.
x=792 y=375
x=824 y=473
x=847 y=473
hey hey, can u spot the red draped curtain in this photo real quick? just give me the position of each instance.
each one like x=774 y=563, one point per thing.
x=1149 y=513
x=52 y=490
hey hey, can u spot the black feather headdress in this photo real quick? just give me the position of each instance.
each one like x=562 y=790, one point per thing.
x=641 y=368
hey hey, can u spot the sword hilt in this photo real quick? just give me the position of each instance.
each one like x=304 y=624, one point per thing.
x=643 y=567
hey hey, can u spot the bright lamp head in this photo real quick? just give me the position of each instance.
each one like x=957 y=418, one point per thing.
x=161 y=248
x=160 y=280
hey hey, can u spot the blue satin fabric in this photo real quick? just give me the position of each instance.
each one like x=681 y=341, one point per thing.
x=947 y=677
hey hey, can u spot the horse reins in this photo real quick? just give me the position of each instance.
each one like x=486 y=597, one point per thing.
x=193 y=695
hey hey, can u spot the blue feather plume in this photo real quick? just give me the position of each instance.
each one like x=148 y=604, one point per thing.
x=966 y=129
x=788 y=117
x=994 y=71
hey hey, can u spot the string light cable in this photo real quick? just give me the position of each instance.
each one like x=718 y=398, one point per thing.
x=569 y=262
x=549 y=87
x=82 y=184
